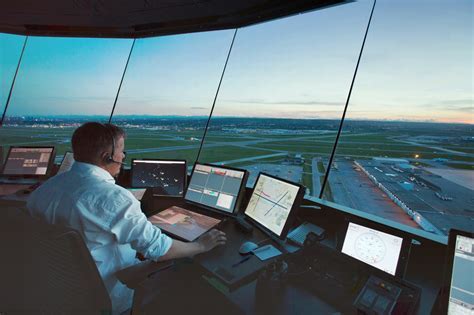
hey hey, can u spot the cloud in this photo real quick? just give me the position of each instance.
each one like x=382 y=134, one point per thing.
x=457 y=105
x=196 y=107
x=303 y=103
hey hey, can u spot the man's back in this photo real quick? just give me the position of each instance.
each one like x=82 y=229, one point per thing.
x=108 y=217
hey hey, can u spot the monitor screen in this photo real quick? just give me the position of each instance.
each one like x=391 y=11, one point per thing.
x=378 y=249
x=216 y=187
x=28 y=161
x=461 y=290
x=273 y=203
x=166 y=177
x=66 y=164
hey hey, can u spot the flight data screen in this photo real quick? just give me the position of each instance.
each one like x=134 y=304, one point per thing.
x=166 y=177
x=461 y=295
x=378 y=249
x=28 y=161
x=215 y=187
x=271 y=203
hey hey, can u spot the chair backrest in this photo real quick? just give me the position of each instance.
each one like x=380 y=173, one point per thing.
x=47 y=268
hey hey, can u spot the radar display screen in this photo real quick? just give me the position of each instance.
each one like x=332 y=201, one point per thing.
x=216 y=187
x=166 y=177
x=273 y=203
x=461 y=290
x=28 y=161
x=378 y=249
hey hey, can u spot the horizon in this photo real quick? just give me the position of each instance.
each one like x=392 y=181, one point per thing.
x=232 y=117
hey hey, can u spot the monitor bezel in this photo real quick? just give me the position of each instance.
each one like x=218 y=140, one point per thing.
x=293 y=211
x=185 y=176
x=404 y=250
x=240 y=194
x=448 y=271
x=38 y=176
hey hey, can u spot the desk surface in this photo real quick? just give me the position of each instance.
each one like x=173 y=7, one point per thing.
x=295 y=299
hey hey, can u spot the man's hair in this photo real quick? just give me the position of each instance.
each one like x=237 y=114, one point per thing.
x=91 y=139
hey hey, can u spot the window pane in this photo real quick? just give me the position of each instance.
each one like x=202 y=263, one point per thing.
x=168 y=91
x=283 y=93
x=10 y=51
x=407 y=147
x=62 y=82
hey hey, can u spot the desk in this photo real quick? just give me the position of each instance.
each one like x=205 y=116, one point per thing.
x=295 y=299
x=220 y=262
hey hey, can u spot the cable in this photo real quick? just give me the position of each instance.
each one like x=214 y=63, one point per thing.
x=323 y=186
x=13 y=81
x=121 y=80
x=215 y=97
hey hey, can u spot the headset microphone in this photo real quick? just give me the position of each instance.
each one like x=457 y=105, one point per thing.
x=113 y=161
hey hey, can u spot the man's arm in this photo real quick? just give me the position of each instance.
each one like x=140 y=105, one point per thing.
x=205 y=243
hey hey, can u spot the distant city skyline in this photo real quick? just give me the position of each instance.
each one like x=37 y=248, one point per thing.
x=416 y=66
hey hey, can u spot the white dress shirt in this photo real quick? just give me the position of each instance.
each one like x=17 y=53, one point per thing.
x=109 y=218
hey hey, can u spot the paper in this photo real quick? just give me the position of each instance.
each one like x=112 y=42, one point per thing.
x=266 y=252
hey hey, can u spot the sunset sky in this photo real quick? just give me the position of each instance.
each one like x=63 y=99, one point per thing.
x=417 y=65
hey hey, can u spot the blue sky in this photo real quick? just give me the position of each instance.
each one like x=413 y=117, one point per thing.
x=417 y=65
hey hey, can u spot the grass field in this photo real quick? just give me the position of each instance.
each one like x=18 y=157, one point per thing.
x=224 y=146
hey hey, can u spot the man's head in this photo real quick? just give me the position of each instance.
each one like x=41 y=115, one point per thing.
x=99 y=144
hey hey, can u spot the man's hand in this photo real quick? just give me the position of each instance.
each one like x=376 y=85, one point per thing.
x=211 y=239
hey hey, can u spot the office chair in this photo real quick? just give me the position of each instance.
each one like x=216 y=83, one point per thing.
x=47 y=268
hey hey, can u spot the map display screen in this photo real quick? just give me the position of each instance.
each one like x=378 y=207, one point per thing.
x=461 y=293
x=166 y=177
x=378 y=249
x=271 y=203
x=215 y=187
x=28 y=161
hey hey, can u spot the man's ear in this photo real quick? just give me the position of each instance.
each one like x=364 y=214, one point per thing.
x=105 y=157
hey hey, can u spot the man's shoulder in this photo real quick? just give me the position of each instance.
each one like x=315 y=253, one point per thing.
x=109 y=195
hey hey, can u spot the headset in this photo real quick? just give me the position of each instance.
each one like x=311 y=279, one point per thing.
x=110 y=158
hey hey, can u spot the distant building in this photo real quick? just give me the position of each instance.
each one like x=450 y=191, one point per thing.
x=295 y=159
x=406 y=166
x=390 y=160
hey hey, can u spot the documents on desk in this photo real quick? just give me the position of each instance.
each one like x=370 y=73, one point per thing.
x=266 y=252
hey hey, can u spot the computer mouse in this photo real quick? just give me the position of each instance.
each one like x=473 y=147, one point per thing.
x=247 y=247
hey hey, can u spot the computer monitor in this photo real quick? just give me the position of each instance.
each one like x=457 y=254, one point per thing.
x=378 y=249
x=273 y=204
x=67 y=162
x=458 y=297
x=218 y=188
x=28 y=161
x=166 y=177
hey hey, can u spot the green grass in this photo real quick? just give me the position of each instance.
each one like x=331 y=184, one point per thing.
x=461 y=166
x=372 y=145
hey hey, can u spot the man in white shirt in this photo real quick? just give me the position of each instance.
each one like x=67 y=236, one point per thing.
x=108 y=216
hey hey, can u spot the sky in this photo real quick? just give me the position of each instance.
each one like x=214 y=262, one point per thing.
x=417 y=65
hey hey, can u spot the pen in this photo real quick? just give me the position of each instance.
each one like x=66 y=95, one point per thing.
x=242 y=261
